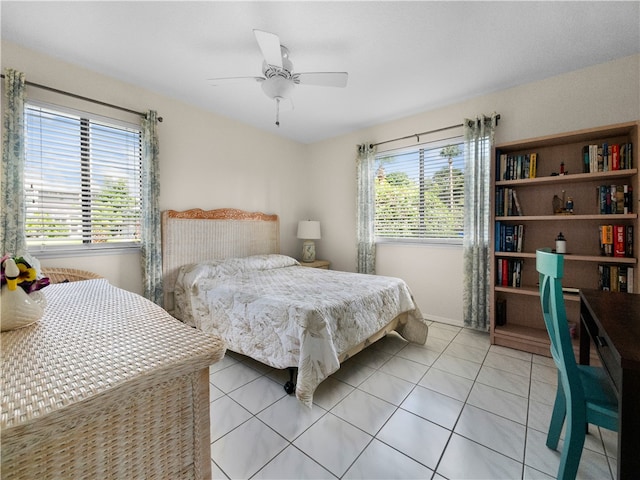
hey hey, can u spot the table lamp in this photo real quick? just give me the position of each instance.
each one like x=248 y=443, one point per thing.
x=308 y=230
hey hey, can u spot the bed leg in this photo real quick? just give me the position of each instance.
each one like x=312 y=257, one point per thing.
x=290 y=386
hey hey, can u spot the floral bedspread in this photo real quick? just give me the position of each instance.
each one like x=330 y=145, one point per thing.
x=273 y=310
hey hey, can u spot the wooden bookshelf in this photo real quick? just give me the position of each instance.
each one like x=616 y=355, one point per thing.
x=524 y=328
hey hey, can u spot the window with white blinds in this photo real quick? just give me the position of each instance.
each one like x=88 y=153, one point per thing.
x=420 y=193
x=82 y=181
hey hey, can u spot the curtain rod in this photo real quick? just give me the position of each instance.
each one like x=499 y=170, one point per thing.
x=80 y=97
x=417 y=135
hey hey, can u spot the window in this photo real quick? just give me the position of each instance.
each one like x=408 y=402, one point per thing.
x=420 y=193
x=82 y=181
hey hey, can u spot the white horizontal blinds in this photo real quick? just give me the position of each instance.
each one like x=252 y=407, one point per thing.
x=82 y=180
x=420 y=192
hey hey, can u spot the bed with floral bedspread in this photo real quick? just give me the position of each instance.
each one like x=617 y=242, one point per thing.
x=280 y=313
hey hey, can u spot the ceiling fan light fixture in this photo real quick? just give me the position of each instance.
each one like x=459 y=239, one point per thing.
x=278 y=87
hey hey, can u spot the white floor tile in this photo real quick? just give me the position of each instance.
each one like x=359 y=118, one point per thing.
x=353 y=373
x=457 y=366
x=473 y=338
x=387 y=387
x=508 y=363
x=416 y=437
x=509 y=382
x=433 y=406
x=446 y=383
x=544 y=373
x=293 y=464
x=225 y=415
x=333 y=443
x=384 y=413
x=258 y=394
x=592 y=465
x=223 y=363
x=391 y=343
x=245 y=450
x=233 y=377
x=364 y=411
x=381 y=462
x=289 y=417
x=465 y=352
x=465 y=459
x=405 y=369
x=494 y=432
x=420 y=354
x=330 y=392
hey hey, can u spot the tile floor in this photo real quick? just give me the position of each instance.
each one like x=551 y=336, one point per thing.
x=456 y=407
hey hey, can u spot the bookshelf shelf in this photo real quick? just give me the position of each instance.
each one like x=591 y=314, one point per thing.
x=568 y=218
x=573 y=258
x=537 y=226
x=572 y=178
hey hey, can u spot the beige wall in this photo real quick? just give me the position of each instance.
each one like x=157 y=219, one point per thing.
x=209 y=161
x=600 y=95
x=206 y=160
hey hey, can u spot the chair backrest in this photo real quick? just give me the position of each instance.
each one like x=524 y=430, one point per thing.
x=551 y=269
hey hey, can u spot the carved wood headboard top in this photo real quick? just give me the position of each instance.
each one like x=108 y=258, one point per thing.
x=197 y=235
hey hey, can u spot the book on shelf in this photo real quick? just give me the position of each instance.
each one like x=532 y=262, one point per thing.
x=501 y=311
x=619 y=241
x=516 y=203
x=616 y=240
x=614 y=199
x=508 y=238
x=516 y=166
x=607 y=157
x=507 y=202
x=509 y=272
x=616 y=278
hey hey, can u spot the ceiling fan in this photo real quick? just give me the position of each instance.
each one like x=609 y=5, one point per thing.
x=279 y=78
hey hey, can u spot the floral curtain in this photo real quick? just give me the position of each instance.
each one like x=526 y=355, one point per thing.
x=151 y=251
x=13 y=213
x=365 y=216
x=478 y=135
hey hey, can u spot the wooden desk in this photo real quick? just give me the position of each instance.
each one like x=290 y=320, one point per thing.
x=613 y=322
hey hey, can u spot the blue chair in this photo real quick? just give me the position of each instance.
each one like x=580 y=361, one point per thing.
x=584 y=394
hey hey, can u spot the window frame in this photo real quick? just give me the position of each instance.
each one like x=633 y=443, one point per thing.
x=437 y=144
x=87 y=247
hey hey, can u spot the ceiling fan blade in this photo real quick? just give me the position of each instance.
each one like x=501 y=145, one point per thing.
x=269 y=43
x=324 y=79
x=216 y=82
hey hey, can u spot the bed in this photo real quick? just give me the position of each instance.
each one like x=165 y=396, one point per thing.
x=223 y=273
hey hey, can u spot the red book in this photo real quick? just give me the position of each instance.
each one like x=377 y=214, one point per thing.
x=505 y=272
x=615 y=153
x=619 y=240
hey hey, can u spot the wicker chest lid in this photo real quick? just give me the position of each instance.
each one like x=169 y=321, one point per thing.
x=94 y=339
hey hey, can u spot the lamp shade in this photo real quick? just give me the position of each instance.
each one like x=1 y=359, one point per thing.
x=309 y=230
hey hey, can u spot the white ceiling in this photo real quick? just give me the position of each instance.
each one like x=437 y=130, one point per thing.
x=402 y=57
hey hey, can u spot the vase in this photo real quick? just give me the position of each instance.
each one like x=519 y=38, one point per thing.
x=20 y=309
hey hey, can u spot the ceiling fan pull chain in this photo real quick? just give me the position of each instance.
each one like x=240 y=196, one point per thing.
x=277 y=111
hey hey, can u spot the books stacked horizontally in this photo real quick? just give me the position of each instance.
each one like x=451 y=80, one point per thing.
x=607 y=157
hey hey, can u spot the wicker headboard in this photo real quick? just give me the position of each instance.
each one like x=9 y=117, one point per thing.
x=197 y=235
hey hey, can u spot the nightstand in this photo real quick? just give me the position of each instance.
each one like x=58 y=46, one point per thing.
x=316 y=264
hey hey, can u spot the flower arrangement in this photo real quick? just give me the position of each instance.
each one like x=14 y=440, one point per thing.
x=26 y=276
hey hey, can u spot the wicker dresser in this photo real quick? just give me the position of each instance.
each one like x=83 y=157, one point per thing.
x=105 y=385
